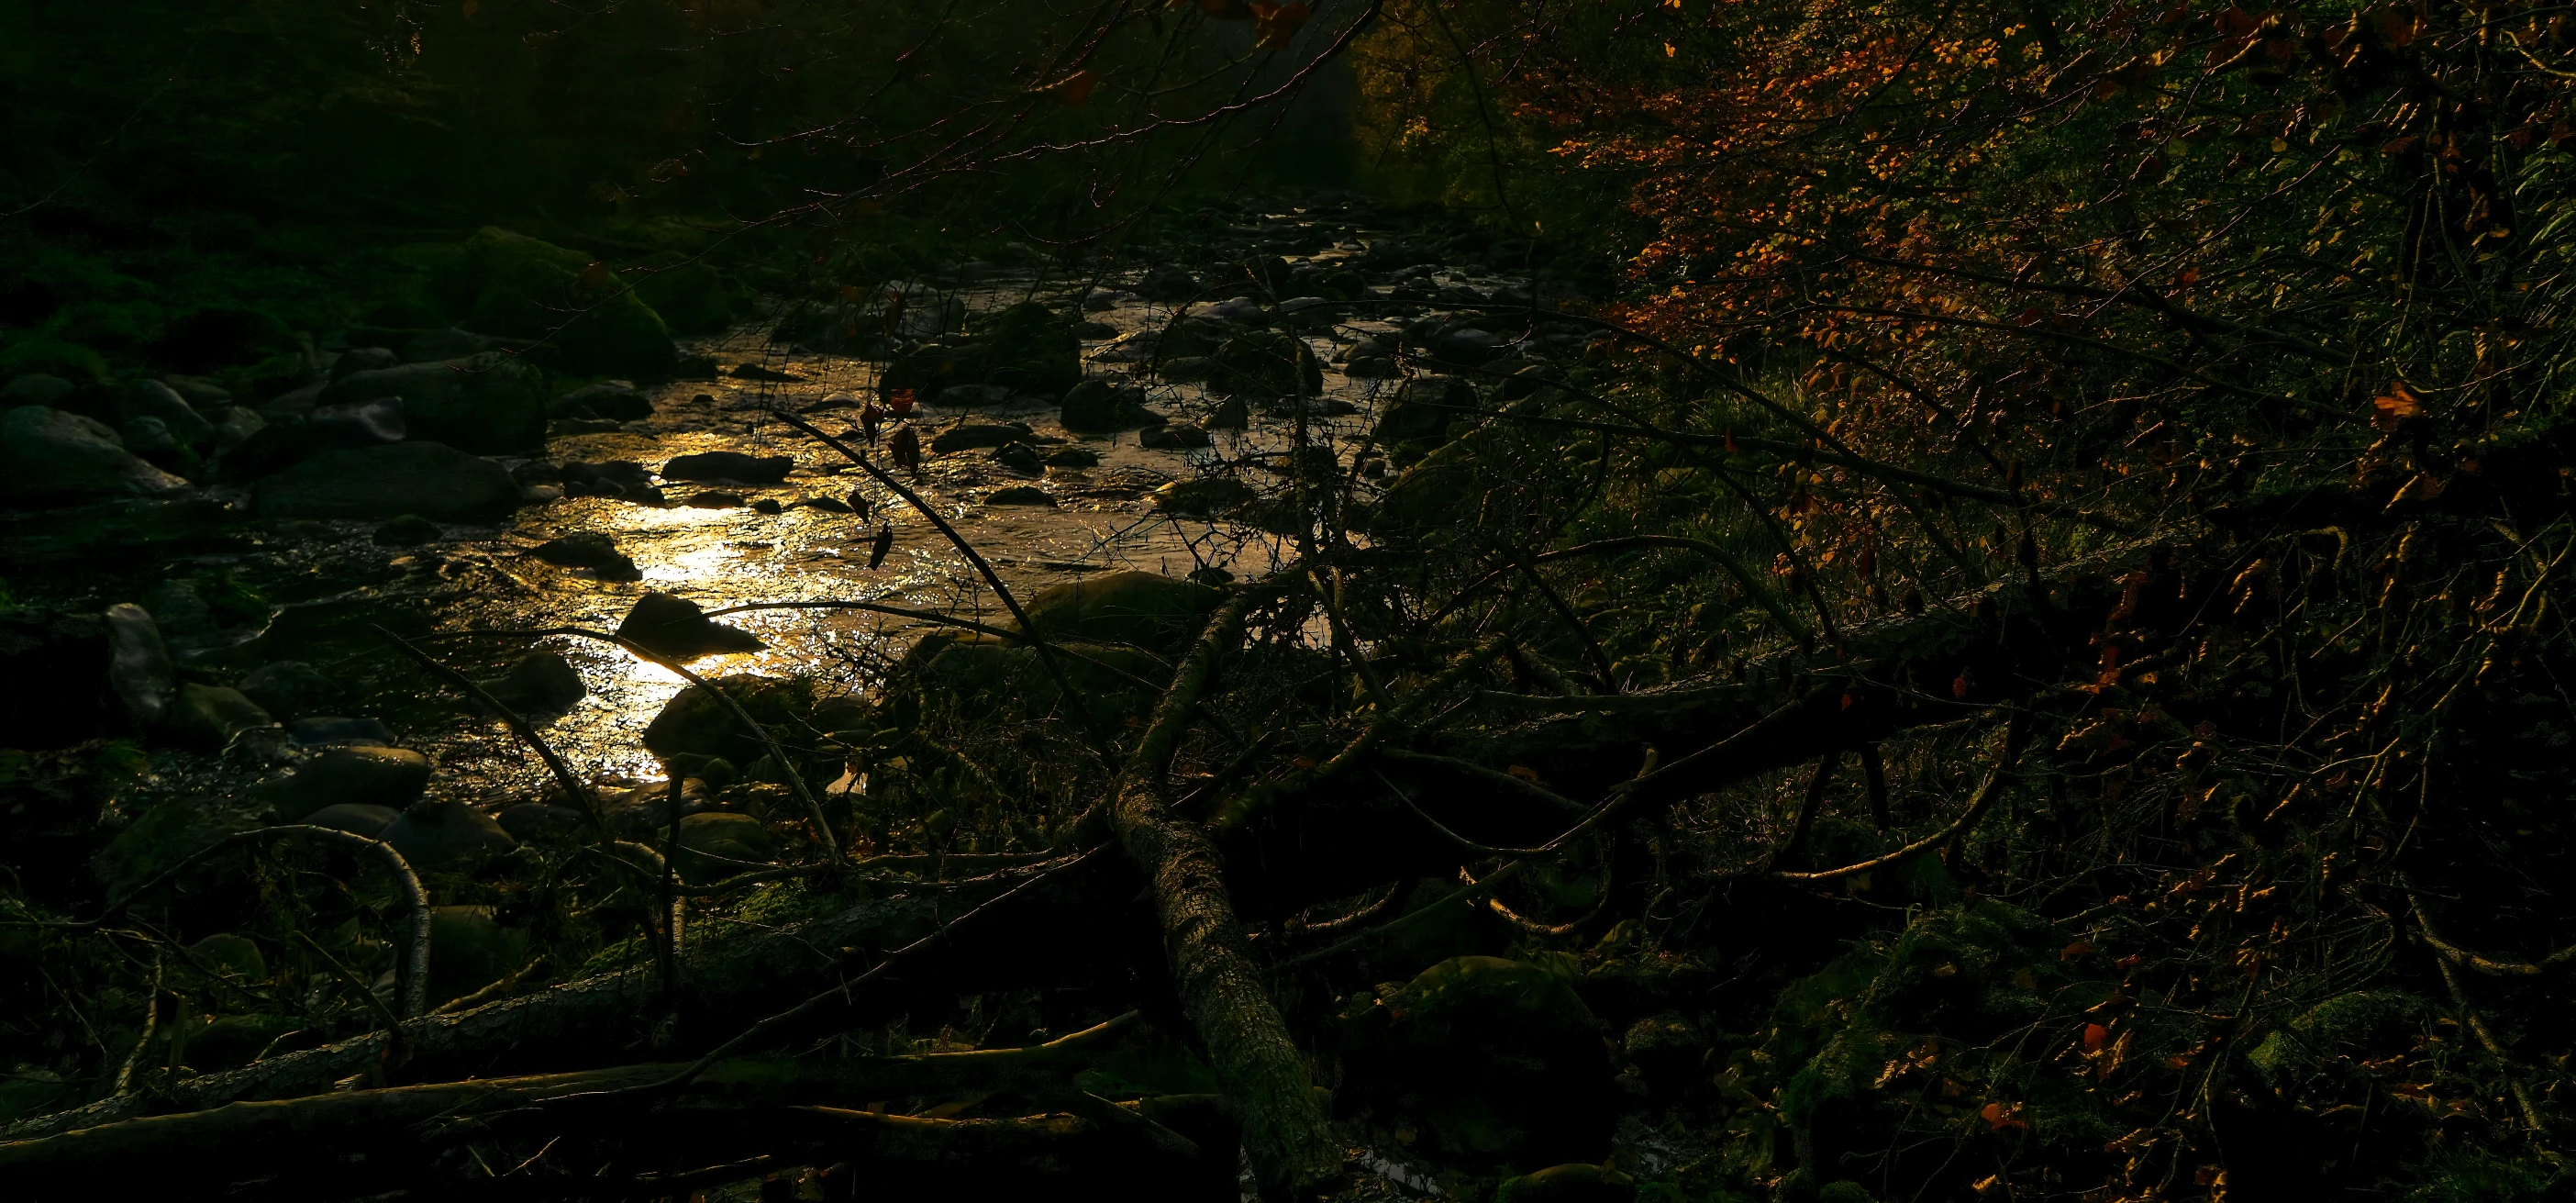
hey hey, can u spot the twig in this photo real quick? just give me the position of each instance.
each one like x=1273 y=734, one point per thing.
x=571 y=785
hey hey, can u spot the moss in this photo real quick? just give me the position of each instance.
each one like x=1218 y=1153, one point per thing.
x=692 y=297
x=520 y=287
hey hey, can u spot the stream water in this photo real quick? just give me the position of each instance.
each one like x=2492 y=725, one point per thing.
x=331 y=586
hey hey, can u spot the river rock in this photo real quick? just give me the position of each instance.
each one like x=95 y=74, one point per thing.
x=208 y=717
x=539 y=683
x=357 y=423
x=510 y=284
x=1020 y=495
x=1099 y=406
x=535 y=821
x=444 y=831
x=644 y=811
x=1579 y=1182
x=612 y=400
x=1266 y=363
x=151 y=439
x=966 y=436
x=1019 y=457
x=488 y=404
x=369 y=821
x=392 y=778
x=1076 y=458
x=729 y=466
x=677 y=628
x=410 y=530
x=138 y=666
x=153 y=399
x=1465 y=345
x=1188 y=369
x=1231 y=414
x=1034 y=349
x=469 y=949
x=1203 y=497
x=364 y=359
x=237 y=427
x=1137 y=608
x=429 y=479
x=1168 y=283
x=1175 y=437
x=230 y=955
x=33 y=388
x=935 y=366
x=287 y=688
x=1494 y=1058
x=722 y=843
x=325 y=730
x=582 y=549
x=625 y=480
x=695 y=723
x=49 y=456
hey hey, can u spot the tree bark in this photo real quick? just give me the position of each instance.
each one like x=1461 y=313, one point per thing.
x=1285 y=1135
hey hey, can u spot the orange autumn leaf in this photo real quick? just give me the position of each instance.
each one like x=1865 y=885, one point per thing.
x=2094 y=1035
x=2394 y=408
x=1999 y=1117
x=592 y=276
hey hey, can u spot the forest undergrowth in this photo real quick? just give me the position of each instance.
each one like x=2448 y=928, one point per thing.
x=2018 y=659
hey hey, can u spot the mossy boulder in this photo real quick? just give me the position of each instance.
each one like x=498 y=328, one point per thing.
x=931 y=369
x=692 y=297
x=1037 y=346
x=470 y=949
x=438 y=833
x=987 y=676
x=432 y=480
x=47 y=455
x=1136 y=608
x=1579 y=1182
x=489 y=403
x=1266 y=363
x=226 y=954
x=207 y=717
x=1499 y=1060
x=521 y=287
x=721 y=843
x=695 y=723
x=368 y=776
x=1099 y=406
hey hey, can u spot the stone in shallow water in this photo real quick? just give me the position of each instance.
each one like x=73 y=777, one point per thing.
x=138 y=666
x=539 y=683
x=207 y=717
x=585 y=549
x=436 y=833
x=334 y=729
x=675 y=627
x=1020 y=495
x=410 y=530
x=966 y=436
x=356 y=819
x=428 y=479
x=729 y=465
x=1176 y=437
x=392 y=778
x=286 y=688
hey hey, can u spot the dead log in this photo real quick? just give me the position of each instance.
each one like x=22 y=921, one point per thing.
x=1290 y=1146
x=242 y=1141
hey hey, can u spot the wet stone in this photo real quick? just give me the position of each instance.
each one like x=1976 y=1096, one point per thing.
x=410 y=530
x=326 y=730
x=539 y=683
x=676 y=627
x=286 y=688
x=729 y=466
x=354 y=818
x=436 y=833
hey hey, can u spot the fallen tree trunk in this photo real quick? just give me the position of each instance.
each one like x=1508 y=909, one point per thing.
x=732 y=978
x=241 y=1141
x=1285 y=1135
